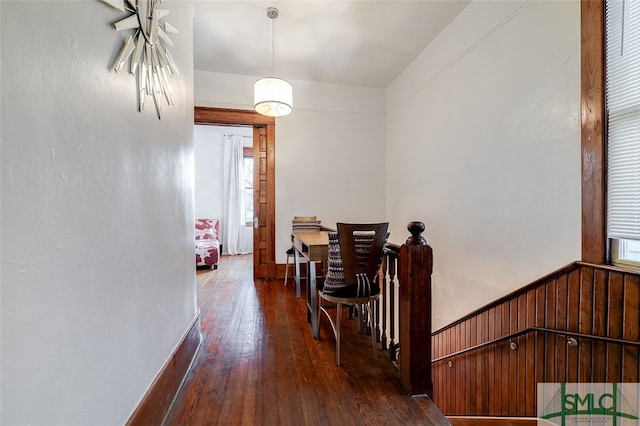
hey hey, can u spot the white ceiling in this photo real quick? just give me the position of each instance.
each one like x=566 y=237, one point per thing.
x=355 y=42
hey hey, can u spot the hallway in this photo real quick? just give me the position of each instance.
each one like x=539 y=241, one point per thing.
x=259 y=365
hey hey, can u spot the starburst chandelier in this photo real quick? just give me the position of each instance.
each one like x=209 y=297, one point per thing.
x=148 y=48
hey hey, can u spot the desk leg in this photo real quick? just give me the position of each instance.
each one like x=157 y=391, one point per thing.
x=296 y=278
x=308 y=290
x=312 y=297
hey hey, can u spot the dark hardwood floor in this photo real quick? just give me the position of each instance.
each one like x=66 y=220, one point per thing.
x=259 y=364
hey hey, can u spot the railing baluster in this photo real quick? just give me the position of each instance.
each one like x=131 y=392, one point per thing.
x=393 y=259
x=382 y=302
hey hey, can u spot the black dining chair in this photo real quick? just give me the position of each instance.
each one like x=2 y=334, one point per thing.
x=355 y=255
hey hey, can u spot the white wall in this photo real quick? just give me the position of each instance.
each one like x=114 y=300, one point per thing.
x=329 y=151
x=208 y=144
x=98 y=282
x=208 y=164
x=483 y=145
x=208 y=189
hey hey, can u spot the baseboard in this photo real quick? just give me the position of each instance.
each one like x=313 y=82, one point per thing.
x=485 y=420
x=156 y=403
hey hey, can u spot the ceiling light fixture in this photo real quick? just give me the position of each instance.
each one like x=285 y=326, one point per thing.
x=273 y=96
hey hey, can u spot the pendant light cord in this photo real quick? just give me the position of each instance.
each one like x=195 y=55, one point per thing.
x=272 y=14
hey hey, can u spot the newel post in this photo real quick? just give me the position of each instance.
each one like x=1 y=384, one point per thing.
x=415 y=265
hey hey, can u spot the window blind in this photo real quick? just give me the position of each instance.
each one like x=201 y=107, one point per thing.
x=622 y=40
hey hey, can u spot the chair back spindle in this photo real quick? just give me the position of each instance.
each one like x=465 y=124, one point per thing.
x=361 y=249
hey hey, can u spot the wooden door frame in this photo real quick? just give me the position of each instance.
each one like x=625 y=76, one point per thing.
x=235 y=117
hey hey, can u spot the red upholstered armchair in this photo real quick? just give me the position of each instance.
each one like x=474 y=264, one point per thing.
x=207 y=242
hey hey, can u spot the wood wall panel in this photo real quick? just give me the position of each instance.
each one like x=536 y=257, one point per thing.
x=496 y=380
x=593 y=131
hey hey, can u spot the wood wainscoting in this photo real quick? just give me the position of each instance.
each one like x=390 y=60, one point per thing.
x=578 y=324
x=156 y=403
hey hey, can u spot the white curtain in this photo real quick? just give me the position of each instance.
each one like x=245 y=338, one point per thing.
x=233 y=223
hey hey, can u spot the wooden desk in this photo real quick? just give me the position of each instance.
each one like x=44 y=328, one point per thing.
x=314 y=248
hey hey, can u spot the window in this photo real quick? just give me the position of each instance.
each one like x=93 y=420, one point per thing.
x=248 y=190
x=627 y=252
x=622 y=92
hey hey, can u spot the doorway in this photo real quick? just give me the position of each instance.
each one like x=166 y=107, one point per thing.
x=223 y=177
x=264 y=179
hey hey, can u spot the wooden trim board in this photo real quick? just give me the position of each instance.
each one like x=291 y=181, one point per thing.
x=502 y=421
x=156 y=403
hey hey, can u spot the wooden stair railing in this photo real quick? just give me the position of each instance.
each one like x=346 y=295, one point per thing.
x=415 y=267
x=568 y=334
x=403 y=316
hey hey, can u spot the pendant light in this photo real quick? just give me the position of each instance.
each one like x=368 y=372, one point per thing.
x=273 y=96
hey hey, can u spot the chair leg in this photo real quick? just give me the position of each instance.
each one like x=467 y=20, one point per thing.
x=286 y=270
x=373 y=331
x=339 y=314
